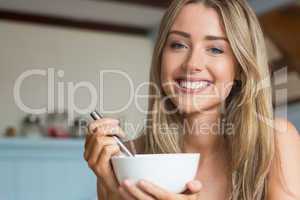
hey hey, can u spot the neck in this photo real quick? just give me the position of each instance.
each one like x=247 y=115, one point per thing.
x=202 y=132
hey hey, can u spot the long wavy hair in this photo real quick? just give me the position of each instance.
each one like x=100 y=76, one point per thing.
x=252 y=147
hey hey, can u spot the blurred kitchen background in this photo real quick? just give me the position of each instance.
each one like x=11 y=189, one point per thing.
x=68 y=43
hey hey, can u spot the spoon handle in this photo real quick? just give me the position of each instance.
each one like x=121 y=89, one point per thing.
x=123 y=147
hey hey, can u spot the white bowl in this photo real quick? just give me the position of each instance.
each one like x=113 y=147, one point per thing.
x=169 y=171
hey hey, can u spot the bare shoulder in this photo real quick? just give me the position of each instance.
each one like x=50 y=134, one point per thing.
x=284 y=177
x=286 y=128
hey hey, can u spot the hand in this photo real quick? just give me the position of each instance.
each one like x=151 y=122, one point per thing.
x=100 y=147
x=144 y=190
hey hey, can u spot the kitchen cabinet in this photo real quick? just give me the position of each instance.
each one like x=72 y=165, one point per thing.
x=45 y=169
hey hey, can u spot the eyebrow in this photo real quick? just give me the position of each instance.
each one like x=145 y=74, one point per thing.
x=184 y=34
x=207 y=37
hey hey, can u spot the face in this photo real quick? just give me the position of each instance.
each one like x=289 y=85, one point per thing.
x=198 y=65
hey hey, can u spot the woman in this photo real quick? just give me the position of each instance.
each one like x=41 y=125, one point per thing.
x=211 y=72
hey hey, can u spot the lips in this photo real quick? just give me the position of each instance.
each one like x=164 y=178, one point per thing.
x=192 y=84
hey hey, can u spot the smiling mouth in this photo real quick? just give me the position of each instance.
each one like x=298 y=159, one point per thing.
x=192 y=86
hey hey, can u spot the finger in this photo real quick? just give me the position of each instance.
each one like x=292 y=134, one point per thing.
x=157 y=192
x=104 y=166
x=92 y=128
x=93 y=151
x=192 y=192
x=121 y=133
x=91 y=135
x=115 y=130
x=96 y=139
x=110 y=129
x=88 y=146
x=136 y=191
x=124 y=194
x=102 y=131
x=88 y=136
x=104 y=121
x=194 y=186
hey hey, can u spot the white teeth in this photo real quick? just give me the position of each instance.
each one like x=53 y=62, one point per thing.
x=193 y=84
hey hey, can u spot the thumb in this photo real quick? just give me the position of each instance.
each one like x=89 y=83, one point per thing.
x=194 y=186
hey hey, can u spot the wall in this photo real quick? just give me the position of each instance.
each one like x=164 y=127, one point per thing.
x=81 y=55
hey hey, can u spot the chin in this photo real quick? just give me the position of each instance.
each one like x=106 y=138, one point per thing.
x=187 y=106
x=189 y=102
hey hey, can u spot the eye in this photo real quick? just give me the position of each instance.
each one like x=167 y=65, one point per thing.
x=176 y=45
x=216 y=51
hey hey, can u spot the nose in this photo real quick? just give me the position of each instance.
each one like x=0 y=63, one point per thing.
x=195 y=61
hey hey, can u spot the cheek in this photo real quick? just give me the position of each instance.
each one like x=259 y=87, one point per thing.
x=168 y=67
x=171 y=63
x=224 y=78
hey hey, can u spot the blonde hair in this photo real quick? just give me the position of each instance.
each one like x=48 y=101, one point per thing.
x=249 y=108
